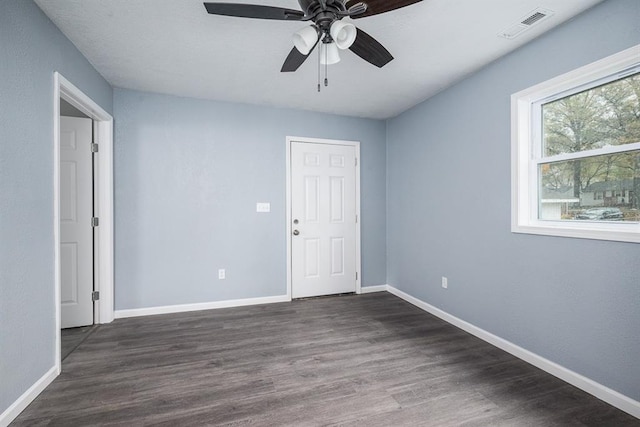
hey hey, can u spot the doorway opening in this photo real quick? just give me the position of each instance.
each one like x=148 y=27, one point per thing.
x=98 y=255
x=77 y=208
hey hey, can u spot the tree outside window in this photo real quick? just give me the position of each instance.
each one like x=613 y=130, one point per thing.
x=587 y=123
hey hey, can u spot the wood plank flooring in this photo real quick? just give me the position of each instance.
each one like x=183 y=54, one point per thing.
x=72 y=337
x=361 y=360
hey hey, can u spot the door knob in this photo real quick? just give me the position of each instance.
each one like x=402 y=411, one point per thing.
x=296 y=232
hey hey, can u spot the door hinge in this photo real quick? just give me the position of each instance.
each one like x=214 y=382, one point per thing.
x=356 y=275
x=95 y=221
x=95 y=295
x=94 y=147
x=356 y=161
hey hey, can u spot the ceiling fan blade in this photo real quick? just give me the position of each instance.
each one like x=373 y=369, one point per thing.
x=295 y=60
x=375 y=7
x=254 y=11
x=369 y=49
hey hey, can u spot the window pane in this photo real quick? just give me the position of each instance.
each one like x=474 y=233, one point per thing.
x=598 y=117
x=599 y=188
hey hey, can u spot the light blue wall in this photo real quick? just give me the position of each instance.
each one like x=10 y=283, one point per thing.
x=188 y=175
x=573 y=301
x=31 y=49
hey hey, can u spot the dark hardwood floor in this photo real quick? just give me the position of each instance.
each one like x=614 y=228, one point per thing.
x=366 y=360
x=71 y=338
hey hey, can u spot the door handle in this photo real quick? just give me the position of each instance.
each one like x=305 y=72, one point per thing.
x=296 y=232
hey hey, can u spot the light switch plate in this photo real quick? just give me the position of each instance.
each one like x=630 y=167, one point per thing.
x=263 y=207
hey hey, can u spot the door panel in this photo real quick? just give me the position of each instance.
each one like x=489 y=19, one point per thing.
x=69 y=258
x=336 y=199
x=337 y=255
x=311 y=258
x=68 y=197
x=76 y=233
x=311 y=199
x=323 y=212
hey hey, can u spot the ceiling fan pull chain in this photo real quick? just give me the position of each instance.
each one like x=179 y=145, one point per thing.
x=326 y=66
x=319 y=67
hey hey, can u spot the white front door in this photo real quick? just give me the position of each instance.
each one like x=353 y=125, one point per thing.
x=76 y=232
x=323 y=219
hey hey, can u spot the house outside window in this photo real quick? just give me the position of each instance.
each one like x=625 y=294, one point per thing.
x=576 y=152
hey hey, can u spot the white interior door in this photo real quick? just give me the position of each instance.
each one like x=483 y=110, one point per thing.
x=323 y=215
x=76 y=232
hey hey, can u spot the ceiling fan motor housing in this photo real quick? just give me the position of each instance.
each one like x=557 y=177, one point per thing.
x=311 y=7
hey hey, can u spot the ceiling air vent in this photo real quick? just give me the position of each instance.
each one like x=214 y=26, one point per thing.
x=530 y=19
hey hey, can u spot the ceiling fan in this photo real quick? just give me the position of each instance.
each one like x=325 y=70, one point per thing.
x=327 y=28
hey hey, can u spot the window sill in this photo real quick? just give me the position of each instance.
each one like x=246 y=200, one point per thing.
x=598 y=231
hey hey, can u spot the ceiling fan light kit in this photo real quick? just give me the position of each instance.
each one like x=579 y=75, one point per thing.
x=328 y=30
x=343 y=34
x=329 y=54
x=306 y=39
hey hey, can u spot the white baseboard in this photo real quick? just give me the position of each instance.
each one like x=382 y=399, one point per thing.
x=598 y=390
x=181 y=308
x=370 y=289
x=27 y=397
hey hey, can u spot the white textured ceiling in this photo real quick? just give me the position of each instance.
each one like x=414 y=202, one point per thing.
x=175 y=47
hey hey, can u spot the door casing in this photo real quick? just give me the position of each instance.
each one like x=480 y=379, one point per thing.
x=356 y=145
x=103 y=247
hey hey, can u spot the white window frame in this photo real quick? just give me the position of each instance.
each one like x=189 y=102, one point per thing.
x=526 y=152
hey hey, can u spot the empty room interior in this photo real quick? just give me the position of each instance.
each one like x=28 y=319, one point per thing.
x=411 y=212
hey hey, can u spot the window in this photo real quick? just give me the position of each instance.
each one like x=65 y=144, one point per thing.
x=576 y=152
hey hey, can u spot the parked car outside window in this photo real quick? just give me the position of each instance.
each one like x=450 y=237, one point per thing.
x=607 y=214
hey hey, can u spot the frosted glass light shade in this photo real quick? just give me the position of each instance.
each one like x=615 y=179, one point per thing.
x=329 y=54
x=343 y=34
x=305 y=39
